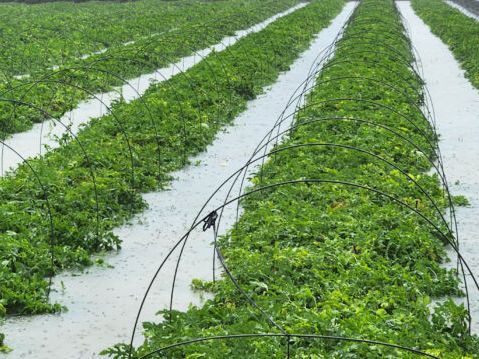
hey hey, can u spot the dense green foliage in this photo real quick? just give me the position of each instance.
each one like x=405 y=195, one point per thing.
x=36 y=37
x=458 y=31
x=333 y=259
x=51 y=92
x=82 y=192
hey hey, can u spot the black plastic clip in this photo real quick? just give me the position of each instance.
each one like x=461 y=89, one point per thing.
x=210 y=221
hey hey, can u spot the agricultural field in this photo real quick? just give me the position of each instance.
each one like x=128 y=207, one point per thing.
x=239 y=179
x=55 y=34
x=58 y=84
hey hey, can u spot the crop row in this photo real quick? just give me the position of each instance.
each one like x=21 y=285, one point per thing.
x=69 y=200
x=458 y=31
x=37 y=37
x=342 y=233
x=49 y=93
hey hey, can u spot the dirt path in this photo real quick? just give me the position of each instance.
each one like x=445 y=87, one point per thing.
x=456 y=104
